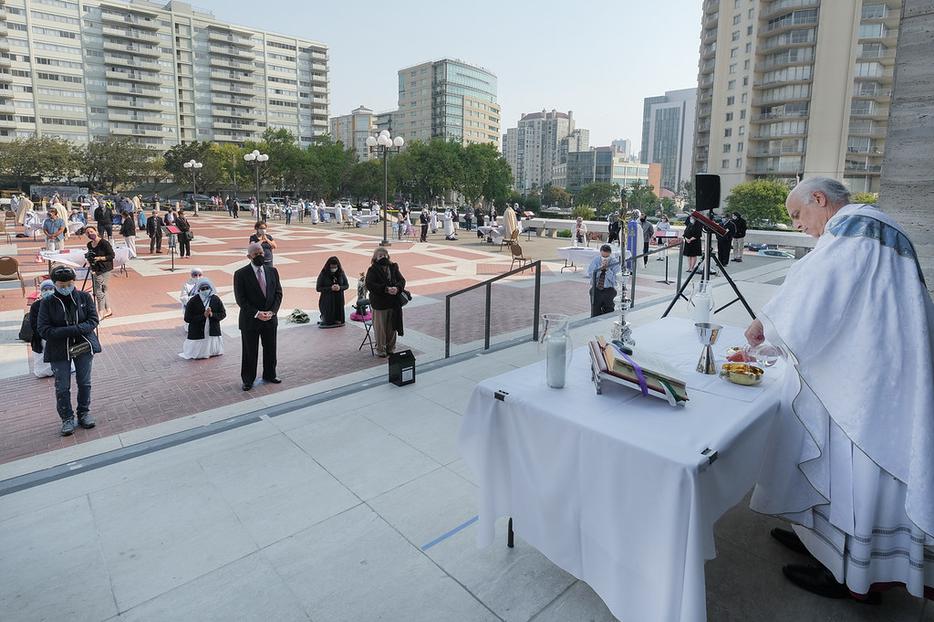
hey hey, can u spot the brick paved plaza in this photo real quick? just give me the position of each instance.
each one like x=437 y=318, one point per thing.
x=139 y=380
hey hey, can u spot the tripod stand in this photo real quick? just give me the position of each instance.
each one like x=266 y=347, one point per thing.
x=708 y=256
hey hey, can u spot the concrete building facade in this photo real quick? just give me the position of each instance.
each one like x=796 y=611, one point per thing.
x=447 y=99
x=623 y=146
x=790 y=88
x=668 y=134
x=352 y=130
x=159 y=74
x=539 y=142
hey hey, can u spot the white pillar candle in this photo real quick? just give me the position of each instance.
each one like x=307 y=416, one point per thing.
x=555 y=363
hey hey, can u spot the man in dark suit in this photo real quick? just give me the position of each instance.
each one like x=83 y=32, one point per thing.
x=154 y=231
x=259 y=294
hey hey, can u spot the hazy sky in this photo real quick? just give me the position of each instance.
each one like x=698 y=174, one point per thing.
x=597 y=58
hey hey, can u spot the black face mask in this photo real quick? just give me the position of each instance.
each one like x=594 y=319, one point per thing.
x=383 y=261
x=258 y=260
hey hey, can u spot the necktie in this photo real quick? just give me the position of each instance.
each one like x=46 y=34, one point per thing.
x=261 y=277
x=601 y=279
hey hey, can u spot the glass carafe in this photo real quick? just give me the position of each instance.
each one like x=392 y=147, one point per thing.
x=556 y=341
x=701 y=300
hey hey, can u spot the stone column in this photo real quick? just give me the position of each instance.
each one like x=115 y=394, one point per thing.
x=907 y=184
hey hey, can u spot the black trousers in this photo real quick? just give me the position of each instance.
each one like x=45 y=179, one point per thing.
x=106 y=228
x=250 y=340
x=155 y=243
x=645 y=252
x=184 y=245
x=424 y=233
x=602 y=301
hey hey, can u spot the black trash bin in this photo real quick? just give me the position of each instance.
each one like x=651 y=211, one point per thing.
x=402 y=368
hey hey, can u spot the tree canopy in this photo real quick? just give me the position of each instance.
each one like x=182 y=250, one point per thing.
x=761 y=202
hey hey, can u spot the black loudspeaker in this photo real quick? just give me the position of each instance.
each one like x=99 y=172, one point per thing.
x=706 y=192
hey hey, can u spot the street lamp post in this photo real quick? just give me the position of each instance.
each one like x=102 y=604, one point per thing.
x=256 y=158
x=194 y=166
x=383 y=144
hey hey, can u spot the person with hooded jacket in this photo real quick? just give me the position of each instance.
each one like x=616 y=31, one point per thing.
x=67 y=322
x=332 y=283
x=385 y=283
x=204 y=312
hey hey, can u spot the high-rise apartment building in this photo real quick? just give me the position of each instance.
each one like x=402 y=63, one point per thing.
x=790 y=88
x=352 y=130
x=159 y=74
x=606 y=165
x=447 y=99
x=540 y=141
x=668 y=134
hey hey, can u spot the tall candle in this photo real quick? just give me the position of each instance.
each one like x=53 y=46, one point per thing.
x=555 y=362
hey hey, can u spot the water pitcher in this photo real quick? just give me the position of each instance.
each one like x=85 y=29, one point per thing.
x=556 y=341
x=701 y=302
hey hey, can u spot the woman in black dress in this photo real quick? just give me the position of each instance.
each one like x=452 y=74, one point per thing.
x=692 y=242
x=332 y=282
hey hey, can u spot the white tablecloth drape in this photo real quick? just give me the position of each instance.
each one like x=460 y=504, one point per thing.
x=617 y=489
x=75 y=257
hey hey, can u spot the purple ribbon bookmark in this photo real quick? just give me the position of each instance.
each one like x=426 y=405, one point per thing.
x=635 y=367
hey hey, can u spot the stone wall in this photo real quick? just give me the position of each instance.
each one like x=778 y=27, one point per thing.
x=907 y=185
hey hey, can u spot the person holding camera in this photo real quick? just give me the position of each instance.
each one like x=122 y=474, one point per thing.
x=100 y=258
x=67 y=321
x=264 y=239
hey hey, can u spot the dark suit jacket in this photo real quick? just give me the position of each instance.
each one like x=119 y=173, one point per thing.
x=154 y=226
x=250 y=297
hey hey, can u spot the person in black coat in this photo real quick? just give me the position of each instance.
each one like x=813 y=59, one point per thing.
x=692 y=241
x=128 y=231
x=424 y=218
x=67 y=322
x=725 y=242
x=154 y=226
x=184 y=237
x=332 y=283
x=40 y=368
x=204 y=312
x=385 y=283
x=258 y=293
x=104 y=216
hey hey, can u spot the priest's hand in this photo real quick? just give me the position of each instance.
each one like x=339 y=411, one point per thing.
x=755 y=334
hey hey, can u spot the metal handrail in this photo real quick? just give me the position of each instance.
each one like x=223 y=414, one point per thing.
x=632 y=284
x=488 y=284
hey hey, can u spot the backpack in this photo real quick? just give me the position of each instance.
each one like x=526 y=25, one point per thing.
x=25 y=330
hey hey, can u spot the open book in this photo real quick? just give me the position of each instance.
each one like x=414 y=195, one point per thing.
x=660 y=378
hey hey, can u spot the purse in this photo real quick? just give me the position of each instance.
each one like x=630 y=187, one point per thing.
x=77 y=349
x=404 y=296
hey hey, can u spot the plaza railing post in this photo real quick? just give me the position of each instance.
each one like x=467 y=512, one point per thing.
x=538 y=297
x=632 y=286
x=486 y=320
x=447 y=327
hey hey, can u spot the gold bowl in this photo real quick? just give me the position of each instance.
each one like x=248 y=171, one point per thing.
x=742 y=373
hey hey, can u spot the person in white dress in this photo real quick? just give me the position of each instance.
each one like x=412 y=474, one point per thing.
x=850 y=461
x=314 y=213
x=204 y=313
x=188 y=287
x=449 y=226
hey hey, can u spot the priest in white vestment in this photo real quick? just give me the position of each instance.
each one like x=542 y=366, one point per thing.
x=512 y=223
x=850 y=462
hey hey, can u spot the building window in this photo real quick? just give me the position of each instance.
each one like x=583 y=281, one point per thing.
x=728 y=132
x=729 y=116
x=725 y=164
x=726 y=147
x=742 y=98
x=730 y=100
x=745 y=80
x=739 y=163
x=733 y=52
x=742 y=114
x=749 y=13
x=732 y=67
x=735 y=36
x=748 y=48
x=731 y=85
x=749 y=30
x=742 y=130
x=739 y=146
x=736 y=19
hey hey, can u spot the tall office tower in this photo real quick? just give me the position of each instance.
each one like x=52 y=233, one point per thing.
x=623 y=146
x=791 y=88
x=537 y=144
x=447 y=99
x=352 y=130
x=159 y=74
x=668 y=134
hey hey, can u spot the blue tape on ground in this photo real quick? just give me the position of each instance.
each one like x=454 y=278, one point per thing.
x=448 y=534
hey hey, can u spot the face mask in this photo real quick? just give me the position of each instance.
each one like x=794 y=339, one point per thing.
x=383 y=261
x=46 y=293
x=65 y=291
x=205 y=294
x=92 y=236
x=258 y=260
x=333 y=268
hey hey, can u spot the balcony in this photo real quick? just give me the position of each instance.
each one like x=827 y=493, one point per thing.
x=135 y=63
x=140 y=50
x=710 y=20
x=132 y=35
x=233 y=77
x=785 y=134
x=230 y=38
x=772 y=153
x=875 y=113
x=134 y=104
x=134 y=76
x=862 y=167
x=231 y=51
x=136 y=131
x=784 y=6
x=238 y=127
x=790 y=24
x=871 y=151
x=133 y=89
x=230 y=63
x=240 y=102
x=870 y=132
x=711 y=6
x=774 y=170
x=777 y=116
x=146 y=23
x=762 y=83
x=708 y=51
x=885 y=56
x=133 y=116
x=221 y=87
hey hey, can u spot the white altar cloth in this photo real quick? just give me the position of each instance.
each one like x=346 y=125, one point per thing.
x=617 y=489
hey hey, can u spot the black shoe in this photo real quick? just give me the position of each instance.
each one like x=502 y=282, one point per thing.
x=247 y=386
x=789 y=539
x=818 y=580
x=273 y=380
x=68 y=426
x=86 y=421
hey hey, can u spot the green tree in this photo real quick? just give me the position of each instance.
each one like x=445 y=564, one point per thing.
x=111 y=162
x=39 y=159
x=601 y=196
x=686 y=196
x=555 y=195
x=211 y=176
x=761 y=202
x=669 y=207
x=642 y=197
x=499 y=181
x=232 y=169
x=870 y=198
x=365 y=179
x=583 y=211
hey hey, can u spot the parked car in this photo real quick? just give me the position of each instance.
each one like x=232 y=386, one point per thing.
x=774 y=252
x=757 y=246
